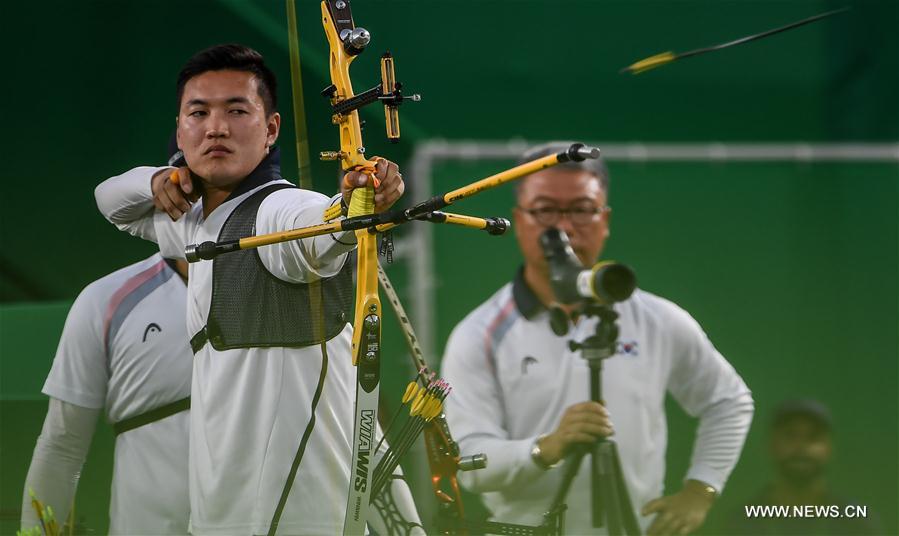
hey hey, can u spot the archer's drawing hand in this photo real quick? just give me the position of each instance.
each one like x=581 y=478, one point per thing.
x=390 y=189
x=581 y=423
x=680 y=513
x=173 y=191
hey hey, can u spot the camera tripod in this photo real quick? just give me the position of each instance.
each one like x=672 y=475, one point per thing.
x=611 y=503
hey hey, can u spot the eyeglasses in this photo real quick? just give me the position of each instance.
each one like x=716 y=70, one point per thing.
x=578 y=214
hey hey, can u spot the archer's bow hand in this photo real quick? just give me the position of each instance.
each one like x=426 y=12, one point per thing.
x=388 y=184
x=173 y=191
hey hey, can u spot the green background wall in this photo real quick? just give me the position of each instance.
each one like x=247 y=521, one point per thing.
x=791 y=269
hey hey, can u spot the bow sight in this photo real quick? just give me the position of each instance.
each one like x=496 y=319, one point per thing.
x=390 y=98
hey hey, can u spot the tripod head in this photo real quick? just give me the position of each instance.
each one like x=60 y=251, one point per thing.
x=603 y=342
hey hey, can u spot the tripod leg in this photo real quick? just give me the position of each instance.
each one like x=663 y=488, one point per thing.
x=610 y=495
x=572 y=463
x=629 y=518
x=599 y=497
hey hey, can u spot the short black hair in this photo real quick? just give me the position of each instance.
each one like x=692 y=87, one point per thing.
x=232 y=57
x=805 y=408
x=596 y=167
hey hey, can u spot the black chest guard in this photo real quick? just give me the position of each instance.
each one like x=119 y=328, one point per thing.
x=252 y=308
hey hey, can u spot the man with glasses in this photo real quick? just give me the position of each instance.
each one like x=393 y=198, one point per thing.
x=522 y=395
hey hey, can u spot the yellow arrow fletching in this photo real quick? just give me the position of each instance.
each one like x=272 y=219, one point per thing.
x=651 y=63
x=419 y=403
x=435 y=410
x=429 y=407
x=411 y=390
x=38 y=507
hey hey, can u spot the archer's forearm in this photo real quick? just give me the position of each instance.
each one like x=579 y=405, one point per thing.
x=126 y=201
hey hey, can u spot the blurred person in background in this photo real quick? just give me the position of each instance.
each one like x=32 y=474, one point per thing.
x=124 y=348
x=800 y=447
